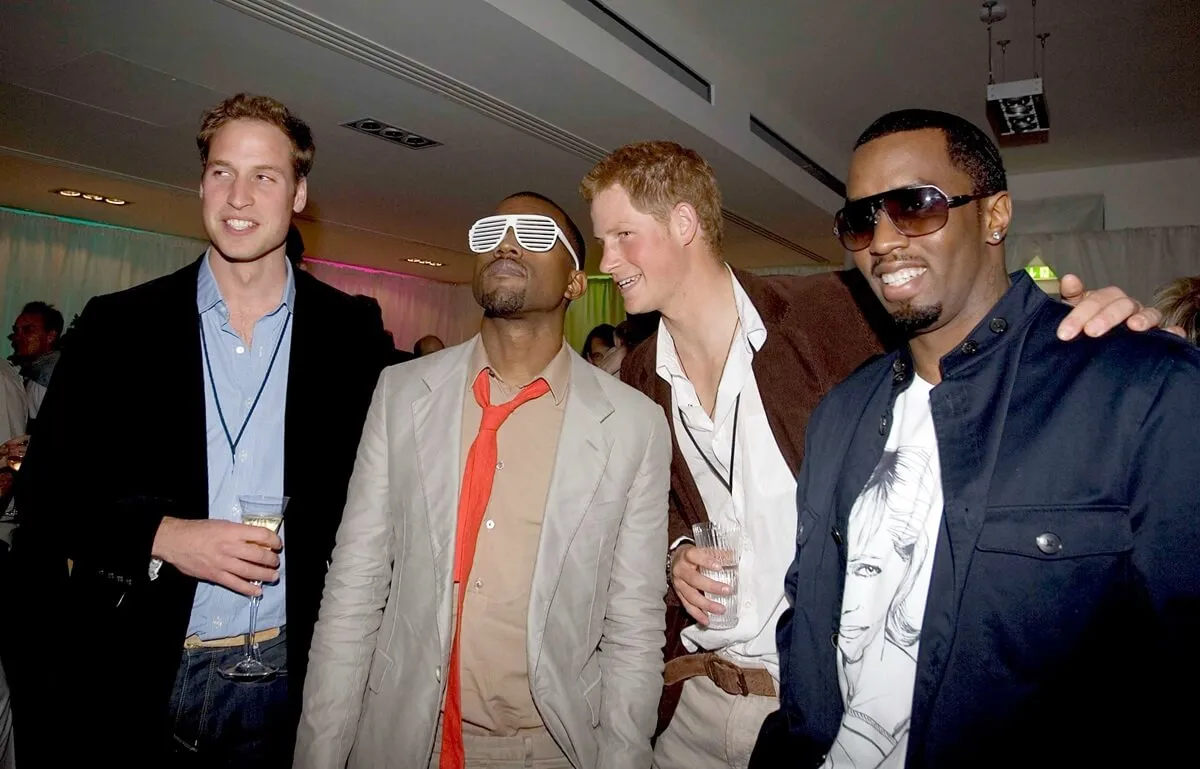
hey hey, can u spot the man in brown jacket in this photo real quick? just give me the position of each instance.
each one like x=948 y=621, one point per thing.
x=738 y=362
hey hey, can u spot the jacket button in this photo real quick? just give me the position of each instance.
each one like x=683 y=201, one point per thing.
x=998 y=325
x=883 y=425
x=1049 y=543
x=898 y=366
x=438 y=674
x=837 y=537
x=799 y=530
x=969 y=347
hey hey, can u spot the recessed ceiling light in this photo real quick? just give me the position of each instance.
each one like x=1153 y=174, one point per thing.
x=425 y=262
x=92 y=196
x=382 y=130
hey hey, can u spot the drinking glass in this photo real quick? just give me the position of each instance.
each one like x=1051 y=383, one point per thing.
x=266 y=512
x=722 y=543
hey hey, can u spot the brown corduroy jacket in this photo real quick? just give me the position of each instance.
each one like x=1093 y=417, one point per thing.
x=820 y=328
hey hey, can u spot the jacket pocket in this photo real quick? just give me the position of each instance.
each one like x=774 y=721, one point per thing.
x=1054 y=533
x=381 y=664
x=589 y=681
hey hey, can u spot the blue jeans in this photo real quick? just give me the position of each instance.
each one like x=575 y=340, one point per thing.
x=217 y=722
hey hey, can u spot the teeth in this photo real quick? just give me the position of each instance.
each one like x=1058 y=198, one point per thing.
x=627 y=282
x=239 y=224
x=900 y=277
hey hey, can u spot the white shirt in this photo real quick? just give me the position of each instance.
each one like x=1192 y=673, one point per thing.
x=892 y=536
x=14 y=406
x=763 y=501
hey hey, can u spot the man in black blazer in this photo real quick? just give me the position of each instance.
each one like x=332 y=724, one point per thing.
x=137 y=568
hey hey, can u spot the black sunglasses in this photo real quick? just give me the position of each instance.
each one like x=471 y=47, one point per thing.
x=915 y=211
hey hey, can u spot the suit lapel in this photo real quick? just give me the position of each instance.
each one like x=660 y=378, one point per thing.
x=437 y=434
x=584 y=446
x=181 y=353
x=303 y=391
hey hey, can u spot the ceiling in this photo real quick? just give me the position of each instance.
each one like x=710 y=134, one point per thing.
x=1122 y=77
x=107 y=94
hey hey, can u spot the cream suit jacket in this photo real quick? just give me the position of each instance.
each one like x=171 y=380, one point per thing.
x=595 y=630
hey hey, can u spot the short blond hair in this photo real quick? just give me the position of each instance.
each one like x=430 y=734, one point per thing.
x=658 y=176
x=267 y=110
x=1179 y=302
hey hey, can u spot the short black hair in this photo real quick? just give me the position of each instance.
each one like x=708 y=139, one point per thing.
x=573 y=233
x=971 y=150
x=603 y=332
x=52 y=319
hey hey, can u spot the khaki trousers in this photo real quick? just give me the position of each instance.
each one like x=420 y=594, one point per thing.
x=535 y=750
x=712 y=729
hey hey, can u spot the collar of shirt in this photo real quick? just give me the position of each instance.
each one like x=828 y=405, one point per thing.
x=208 y=293
x=749 y=339
x=557 y=372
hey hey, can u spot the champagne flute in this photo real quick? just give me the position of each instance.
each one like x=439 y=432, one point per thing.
x=266 y=512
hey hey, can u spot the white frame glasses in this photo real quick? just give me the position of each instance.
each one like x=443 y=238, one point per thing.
x=534 y=232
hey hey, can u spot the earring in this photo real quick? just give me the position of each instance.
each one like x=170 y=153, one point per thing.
x=995 y=236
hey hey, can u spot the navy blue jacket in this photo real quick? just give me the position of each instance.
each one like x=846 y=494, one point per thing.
x=1030 y=654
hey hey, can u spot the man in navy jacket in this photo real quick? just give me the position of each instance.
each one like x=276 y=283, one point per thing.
x=998 y=550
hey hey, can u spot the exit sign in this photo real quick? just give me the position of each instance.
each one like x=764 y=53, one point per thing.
x=1040 y=272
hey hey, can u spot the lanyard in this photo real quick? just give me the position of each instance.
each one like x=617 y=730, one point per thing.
x=233 y=442
x=728 y=484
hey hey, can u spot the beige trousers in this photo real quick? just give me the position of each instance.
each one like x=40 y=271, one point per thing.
x=712 y=729
x=536 y=750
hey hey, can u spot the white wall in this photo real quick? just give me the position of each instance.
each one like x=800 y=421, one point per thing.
x=1159 y=194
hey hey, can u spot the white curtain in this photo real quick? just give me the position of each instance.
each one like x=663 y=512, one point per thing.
x=412 y=306
x=1138 y=260
x=1068 y=213
x=68 y=261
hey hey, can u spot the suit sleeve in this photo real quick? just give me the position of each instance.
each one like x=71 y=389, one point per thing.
x=356 y=592
x=631 y=646
x=68 y=508
x=1165 y=515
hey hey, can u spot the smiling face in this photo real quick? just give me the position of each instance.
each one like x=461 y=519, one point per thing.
x=948 y=279
x=249 y=190
x=512 y=282
x=644 y=259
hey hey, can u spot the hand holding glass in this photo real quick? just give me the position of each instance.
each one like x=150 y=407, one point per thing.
x=266 y=512
x=723 y=544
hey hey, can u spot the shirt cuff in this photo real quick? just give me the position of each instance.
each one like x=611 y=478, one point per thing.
x=679 y=542
x=155 y=565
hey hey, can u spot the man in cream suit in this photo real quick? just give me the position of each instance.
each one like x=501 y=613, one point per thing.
x=559 y=646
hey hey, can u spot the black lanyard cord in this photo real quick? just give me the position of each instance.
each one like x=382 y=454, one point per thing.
x=728 y=484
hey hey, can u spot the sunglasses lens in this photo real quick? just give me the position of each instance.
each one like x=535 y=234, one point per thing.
x=536 y=233
x=917 y=211
x=855 y=225
x=487 y=233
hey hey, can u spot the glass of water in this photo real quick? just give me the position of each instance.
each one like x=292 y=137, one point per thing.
x=722 y=543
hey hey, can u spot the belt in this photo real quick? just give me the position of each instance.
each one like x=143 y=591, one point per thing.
x=193 y=641
x=730 y=678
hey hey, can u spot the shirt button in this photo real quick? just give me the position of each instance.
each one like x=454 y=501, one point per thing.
x=500 y=465
x=1049 y=543
x=478 y=584
x=748 y=604
x=490 y=524
x=969 y=347
x=249 y=402
x=437 y=673
x=243 y=455
x=998 y=325
x=239 y=349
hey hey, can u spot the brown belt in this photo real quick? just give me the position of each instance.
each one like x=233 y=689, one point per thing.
x=729 y=677
x=193 y=641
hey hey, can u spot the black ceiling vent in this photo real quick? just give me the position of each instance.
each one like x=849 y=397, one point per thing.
x=785 y=148
x=382 y=130
x=609 y=20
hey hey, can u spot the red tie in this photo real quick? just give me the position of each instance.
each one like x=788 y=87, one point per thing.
x=472 y=504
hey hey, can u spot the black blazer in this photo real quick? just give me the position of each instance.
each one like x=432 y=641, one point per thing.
x=120 y=444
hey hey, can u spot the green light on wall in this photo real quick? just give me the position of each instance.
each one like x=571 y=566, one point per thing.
x=1041 y=272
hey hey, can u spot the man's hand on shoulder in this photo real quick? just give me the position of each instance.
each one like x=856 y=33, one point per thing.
x=1099 y=311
